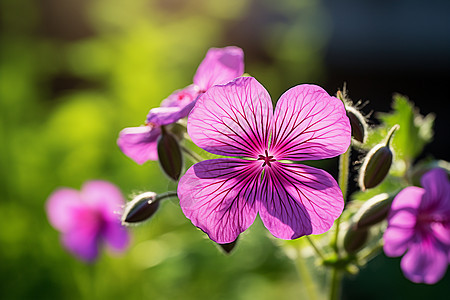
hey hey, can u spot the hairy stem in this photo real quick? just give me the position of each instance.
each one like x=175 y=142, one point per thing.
x=336 y=275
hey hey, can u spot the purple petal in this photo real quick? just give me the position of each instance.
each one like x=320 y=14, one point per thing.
x=81 y=244
x=408 y=199
x=60 y=206
x=232 y=119
x=139 y=143
x=220 y=66
x=297 y=200
x=103 y=197
x=402 y=220
x=424 y=262
x=116 y=236
x=219 y=196
x=397 y=240
x=181 y=98
x=442 y=233
x=309 y=124
x=168 y=115
x=163 y=115
x=437 y=196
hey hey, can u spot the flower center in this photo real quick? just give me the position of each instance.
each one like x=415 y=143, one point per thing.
x=266 y=158
x=428 y=219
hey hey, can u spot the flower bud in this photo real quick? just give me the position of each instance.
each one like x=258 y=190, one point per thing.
x=355 y=239
x=169 y=154
x=140 y=208
x=376 y=164
x=373 y=211
x=358 y=124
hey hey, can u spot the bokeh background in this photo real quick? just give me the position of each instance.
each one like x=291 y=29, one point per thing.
x=73 y=73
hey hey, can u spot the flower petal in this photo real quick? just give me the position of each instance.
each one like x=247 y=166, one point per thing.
x=139 y=143
x=104 y=197
x=163 y=115
x=402 y=220
x=396 y=240
x=309 y=124
x=116 y=236
x=219 y=196
x=60 y=206
x=232 y=119
x=220 y=66
x=437 y=196
x=175 y=107
x=82 y=241
x=181 y=98
x=298 y=200
x=424 y=262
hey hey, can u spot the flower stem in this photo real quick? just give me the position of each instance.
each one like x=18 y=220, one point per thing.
x=344 y=164
x=336 y=275
x=319 y=253
x=192 y=155
x=335 y=289
x=165 y=195
x=306 y=277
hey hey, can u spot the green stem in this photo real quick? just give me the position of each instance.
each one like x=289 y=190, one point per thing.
x=194 y=156
x=336 y=275
x=319 y=253
x=344 y=164
x=335 y=289
x=306 y=277
x=165 y=195
x=369 y=254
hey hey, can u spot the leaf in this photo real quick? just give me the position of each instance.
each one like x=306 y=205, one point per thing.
x=415 y=130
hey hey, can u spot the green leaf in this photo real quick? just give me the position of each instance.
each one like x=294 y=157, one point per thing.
x=415 y=130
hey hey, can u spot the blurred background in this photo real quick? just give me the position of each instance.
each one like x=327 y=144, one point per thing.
x=73 y=73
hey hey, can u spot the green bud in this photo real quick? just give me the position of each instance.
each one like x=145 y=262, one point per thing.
x=228 y=247
x=373 y=211
x=358 y=124
x=169 y=154
x=377 y=163
x=141 y=208
x=355 y=239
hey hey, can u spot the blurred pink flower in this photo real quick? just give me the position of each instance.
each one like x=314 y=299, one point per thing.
x=89 y=218
x=419 y=223
x=223 y=196
x=220 y=66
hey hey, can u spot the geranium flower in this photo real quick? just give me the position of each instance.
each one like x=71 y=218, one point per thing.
x=220 y=66
x=223 y=196
x=88 y=218
x=419 y=224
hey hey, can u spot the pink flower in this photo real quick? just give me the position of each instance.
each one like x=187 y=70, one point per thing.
x=220 y=66
x=88 y=218
x=419 y=224
x=223 y=196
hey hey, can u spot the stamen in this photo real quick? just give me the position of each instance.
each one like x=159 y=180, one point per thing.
x=266 y=158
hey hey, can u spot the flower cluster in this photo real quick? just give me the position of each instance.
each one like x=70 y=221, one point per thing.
x=260 y=169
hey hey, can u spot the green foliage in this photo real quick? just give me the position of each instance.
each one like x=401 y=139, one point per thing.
x=415 y=131
x=62 y=105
